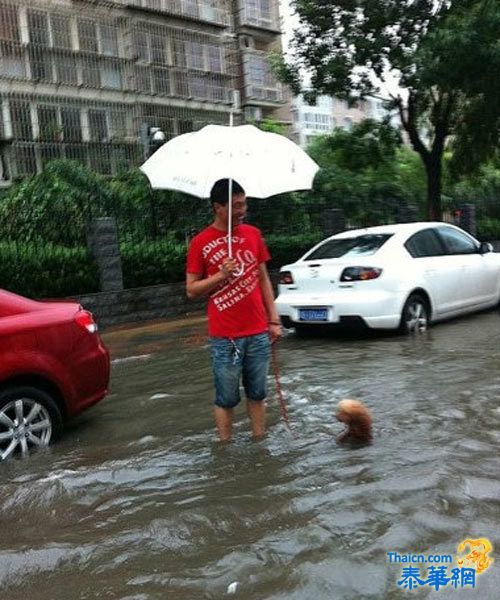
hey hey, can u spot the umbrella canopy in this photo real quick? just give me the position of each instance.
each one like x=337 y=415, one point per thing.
x=263 y=163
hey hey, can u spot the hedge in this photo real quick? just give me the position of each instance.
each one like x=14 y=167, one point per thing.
x=51 y=271
x=46 y=271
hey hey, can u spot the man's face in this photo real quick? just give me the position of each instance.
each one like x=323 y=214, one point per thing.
x=239 y=208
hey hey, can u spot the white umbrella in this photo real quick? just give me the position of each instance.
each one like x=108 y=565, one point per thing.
x=263 y=163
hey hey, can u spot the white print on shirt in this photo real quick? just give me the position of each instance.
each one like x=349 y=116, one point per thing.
x=238 y=290
x=222 y=241
x=245 y=279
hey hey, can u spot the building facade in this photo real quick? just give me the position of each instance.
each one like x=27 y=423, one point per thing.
x=87 y=79
x=329 y=113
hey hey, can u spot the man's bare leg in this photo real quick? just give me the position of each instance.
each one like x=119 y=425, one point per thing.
x=224 y=423
x=257 y=412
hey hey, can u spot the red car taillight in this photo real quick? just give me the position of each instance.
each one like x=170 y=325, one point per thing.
x=286 y=278
x=85 y=320
x=360 y=273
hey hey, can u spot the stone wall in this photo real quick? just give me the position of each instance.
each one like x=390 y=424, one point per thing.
x=140 y=304
x=134 y=305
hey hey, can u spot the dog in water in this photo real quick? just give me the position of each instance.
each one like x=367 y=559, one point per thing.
x=358 y=421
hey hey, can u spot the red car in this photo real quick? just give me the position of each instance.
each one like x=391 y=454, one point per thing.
x=53 y=365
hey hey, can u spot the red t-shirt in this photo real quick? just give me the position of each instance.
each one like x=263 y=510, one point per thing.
x=236 y=307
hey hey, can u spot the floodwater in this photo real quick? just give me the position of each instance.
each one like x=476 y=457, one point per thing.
x=138 y=501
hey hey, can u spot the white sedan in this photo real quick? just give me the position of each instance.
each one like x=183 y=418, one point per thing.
x=390 y=277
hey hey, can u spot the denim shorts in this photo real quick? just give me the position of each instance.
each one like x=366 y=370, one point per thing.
x=245 y=358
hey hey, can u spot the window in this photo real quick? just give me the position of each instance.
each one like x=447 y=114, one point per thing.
x=457 y=242
x=142 y=81
x=98 y=126
x=197 y=86
x=317 y=121
x=141 y=45
x=100 y=160
x=152 y=46
x=361 y=245
x=41 y=65
x=118 y=124
x=111 y=76
x=66 y=69
x=348 y=123
x=109 y=40
x=20 y=116
x=158 y=48
x=9 y=25
x=49 y=30
x=425 y=243
x=61 y=32
x=12 y=61
x=190 y=7
x=214 y=59
x=259 y=10
x=91 y=75
x=49 y=152
x=87 y=35
x=49 y=129
x=25 y=160
x=161 y=82
x=71 y=125
x=194 y=54
x=38 y=27
x=257 y=70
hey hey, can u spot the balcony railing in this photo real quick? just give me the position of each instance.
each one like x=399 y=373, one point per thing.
x=259 y=13
x=260 y=82
x=211 y=11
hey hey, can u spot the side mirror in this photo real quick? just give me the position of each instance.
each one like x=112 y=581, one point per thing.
x=485 y=247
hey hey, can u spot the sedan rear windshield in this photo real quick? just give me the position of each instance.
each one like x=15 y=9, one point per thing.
x=361 y=245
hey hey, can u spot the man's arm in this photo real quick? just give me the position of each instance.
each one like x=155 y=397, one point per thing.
x=196 y=286
x=268 y=297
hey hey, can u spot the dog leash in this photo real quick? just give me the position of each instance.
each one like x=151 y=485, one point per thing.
x=279 y=391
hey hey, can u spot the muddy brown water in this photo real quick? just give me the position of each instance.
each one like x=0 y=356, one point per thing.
x=139 y=502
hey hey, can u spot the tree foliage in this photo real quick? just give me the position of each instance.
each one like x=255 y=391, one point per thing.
x=443 y=54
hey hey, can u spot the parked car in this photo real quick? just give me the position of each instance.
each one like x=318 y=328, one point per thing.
x=53 y=365
x=390 y=277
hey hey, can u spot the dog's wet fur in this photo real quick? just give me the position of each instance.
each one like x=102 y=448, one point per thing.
x=357 y=418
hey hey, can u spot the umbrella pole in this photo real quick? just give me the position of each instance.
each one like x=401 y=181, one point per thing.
x=230 y=220
x=230 y=205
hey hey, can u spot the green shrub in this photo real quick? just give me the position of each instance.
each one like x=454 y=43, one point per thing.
x=288 y=249
x=488 y=229
x=151 y=263
x=46 y=271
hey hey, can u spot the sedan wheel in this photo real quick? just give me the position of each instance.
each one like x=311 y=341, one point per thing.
x=29 y=419
x=415 y=315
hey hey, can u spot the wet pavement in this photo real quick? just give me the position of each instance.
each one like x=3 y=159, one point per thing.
x=139 y=502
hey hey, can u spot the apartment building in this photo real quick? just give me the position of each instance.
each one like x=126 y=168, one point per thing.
x=329 y=113
x=86 y=79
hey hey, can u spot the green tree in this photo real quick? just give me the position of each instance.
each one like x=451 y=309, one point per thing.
x=444 y=56
x=56 y=205
x=365 y=172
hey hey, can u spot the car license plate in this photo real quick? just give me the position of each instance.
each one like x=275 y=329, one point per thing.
x=313 y=314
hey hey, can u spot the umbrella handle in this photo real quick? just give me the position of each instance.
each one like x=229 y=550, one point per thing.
x=230 y=220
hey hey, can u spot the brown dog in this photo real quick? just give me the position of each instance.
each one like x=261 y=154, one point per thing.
x=357 y=419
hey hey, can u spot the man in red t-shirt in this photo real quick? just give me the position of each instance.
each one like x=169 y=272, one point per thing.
x=242 y=318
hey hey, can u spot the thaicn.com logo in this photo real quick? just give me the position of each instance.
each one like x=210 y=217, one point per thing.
x=461 y=571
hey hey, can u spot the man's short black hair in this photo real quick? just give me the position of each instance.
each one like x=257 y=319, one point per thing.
x=220 y=191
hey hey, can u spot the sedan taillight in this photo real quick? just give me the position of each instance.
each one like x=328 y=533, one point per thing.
x=360 y=273
x=85 y=320
x=286 y=278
